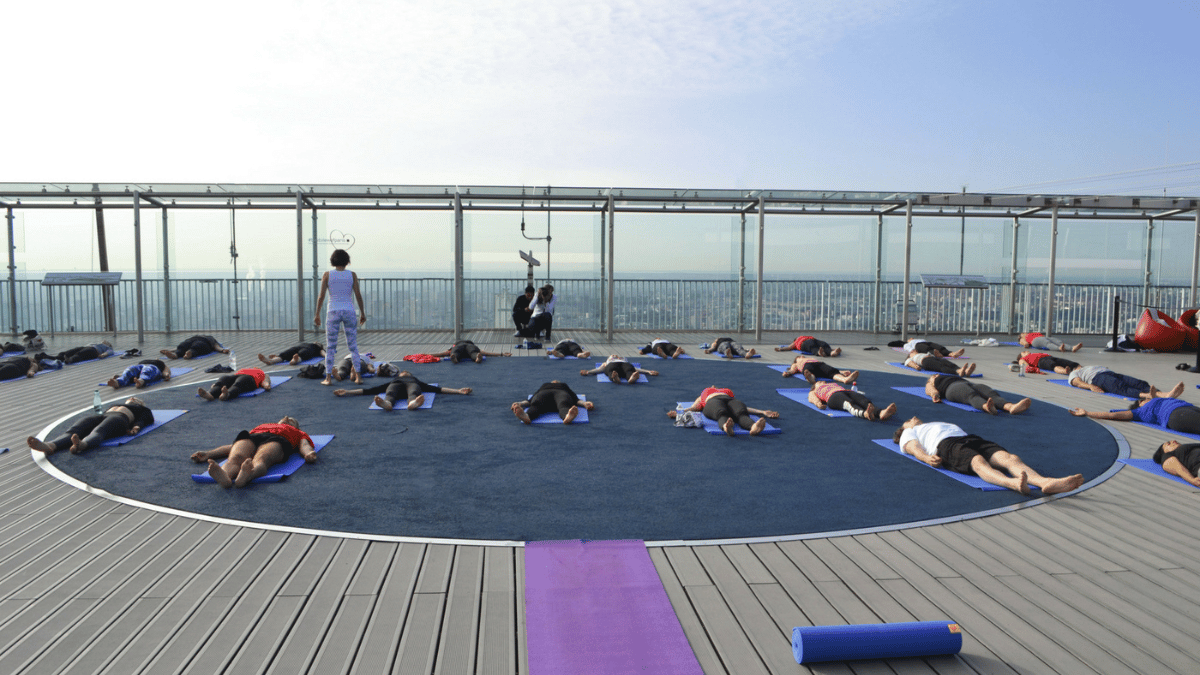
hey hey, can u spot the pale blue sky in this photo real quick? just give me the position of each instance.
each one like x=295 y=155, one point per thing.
x=822 y=94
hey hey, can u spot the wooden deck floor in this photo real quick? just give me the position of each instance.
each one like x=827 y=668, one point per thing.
x=1105 y=581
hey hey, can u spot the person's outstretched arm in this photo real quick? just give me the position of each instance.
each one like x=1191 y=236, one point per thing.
x=307 y=451
x=914 y=448
x=765 y=413
x=216 y=453
x=1120 y=415
x=321 y=298
x=813 y=399
x=1176 y=468
x=593 y=371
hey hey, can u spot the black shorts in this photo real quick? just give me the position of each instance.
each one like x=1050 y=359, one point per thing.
x=261 y=439
x=958 y=451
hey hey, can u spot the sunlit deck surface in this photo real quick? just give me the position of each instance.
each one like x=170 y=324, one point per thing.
x=1104 y=581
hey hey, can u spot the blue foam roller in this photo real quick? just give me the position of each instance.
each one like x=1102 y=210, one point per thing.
x=813 y=644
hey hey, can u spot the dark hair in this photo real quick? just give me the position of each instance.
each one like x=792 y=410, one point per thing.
x=339 y=258
x=1135 y=404
x=530 y=289
x=896 y=434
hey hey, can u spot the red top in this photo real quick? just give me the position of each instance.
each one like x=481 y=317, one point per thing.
x=256 y=373
x=704 y=395
x=291 y=433
x=1028 y=337
x=800 y=340
x=1032 y=358
x=824 y=390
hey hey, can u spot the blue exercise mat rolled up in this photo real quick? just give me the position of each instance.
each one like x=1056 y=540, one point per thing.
x=814 y=644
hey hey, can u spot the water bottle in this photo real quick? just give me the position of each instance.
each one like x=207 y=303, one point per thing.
x=96 y=402
x=854 y=386
x=232 y=359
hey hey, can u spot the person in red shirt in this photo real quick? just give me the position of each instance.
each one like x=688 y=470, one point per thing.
x=720 y=406
x=255 y=451
x=235 y=384
x=1040 y=341
x=811 y=345
x=1047 y=362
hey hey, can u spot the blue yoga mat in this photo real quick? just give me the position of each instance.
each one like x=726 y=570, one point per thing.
x=1150 y=466
x=558 y=358
x=801 y=396
x=1065 y=383
x=681 y=356
x=553 y=418
x=640 y=379
x=715 y=429
x=920 y=393
x=275 y=382
x=971 y=481
x=815 y=644
x=161 y=417
x=403 y=405
x=280 y=471
x=901 y=366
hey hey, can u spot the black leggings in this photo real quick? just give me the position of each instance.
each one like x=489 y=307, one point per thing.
x=815 y=346
x=11 y=371
x=306 y=351
x=464 y=351
x=552 y=397
x=621 y=369
x=406 y=389
x=347 y=364
x=77 y=354
x=1051 y=362
x=197 y=345
x=927 y=347
x=568 y=349
x=95 y=429
x=839 y=399
x=1185 y=419
x=238 y=385
x=819 y=369
x=721 y=408
x=936 y=364
x=668 y=349
x=972 y=394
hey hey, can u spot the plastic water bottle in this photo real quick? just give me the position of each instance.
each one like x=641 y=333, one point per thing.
x=854 y=386
x=96 y=402
x=232 y=359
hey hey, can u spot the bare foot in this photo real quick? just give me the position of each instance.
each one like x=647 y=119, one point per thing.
x=218 y=474
x=521 y=414
x=1060 y=485
x=758 y=426
x=989 y=406
x=383 y=403
x=245 y=474
x=203 y=393
x=1023 y=483
x=78 y=445
x=872 y=412
x=337 y=374
x=1077 y=347
x=888 y=411
x=956 y=354
x=327 y=382
x=852 y=377
x=264 y=359
x=112 y=382
x=295 y=360
x=572 y=413
x=1018 y=407
x=168 y=353
x=728 y=427
x=1175 y=391
x=808 y=375
x=356 y=378
x=224 y=394
x=139 y=384
x=188 y=354
x=479 y=358
x=750 y=353
x=417 y=402
x=40 y=446
x=837 y=351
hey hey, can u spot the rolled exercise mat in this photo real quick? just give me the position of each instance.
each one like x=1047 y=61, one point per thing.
x=813 y=644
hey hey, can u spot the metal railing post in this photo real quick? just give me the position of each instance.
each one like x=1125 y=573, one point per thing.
x=137 y=265
x=299 y=265
x=907 y=271
x=12 y=273
x=762 y=226
x=1050 y=285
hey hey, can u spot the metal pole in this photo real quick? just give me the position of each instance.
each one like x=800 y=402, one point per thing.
x=299 y=265
x=1012 y=280
x=603 y=269
x=1149 y=268
x=611 y=272
x=1050 y=285
x=458 y=266
x=741 y=322
x=878 y=268
x=1195 y=258
x=12 y=274
x=907 y=271
x=237 y=312
x=316 y=274
x=137 y=264
x=166 y=276
x=758 y=302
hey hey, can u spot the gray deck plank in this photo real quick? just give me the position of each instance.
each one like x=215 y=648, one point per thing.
x=336 y=652
x=456 y=653
x=378 y=649
x=418 y=642
x=497 y=652
x=727 y=637
x=693 y=629
x=522 y=626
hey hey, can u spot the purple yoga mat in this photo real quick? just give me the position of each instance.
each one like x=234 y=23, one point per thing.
x=598 y=607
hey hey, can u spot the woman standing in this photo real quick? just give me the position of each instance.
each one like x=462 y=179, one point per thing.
x=340 y=283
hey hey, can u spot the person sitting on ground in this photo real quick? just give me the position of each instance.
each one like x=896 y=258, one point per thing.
x=1104 y=381
x=195 y=347
x=465 y=350
x=521 y=311
x=1180 y=459
x=405 y=385
x=342 y=371
x=923 y=346
x=12 y=367
x=294 y=355
x=836 y=397
x=127 y=418
x=100 y=350
x=978 y=396
x=141 y=374
x=662 y=348
x=720 y=406
x=255 y=451
x=1041 y=341
x=616 y=368
x=1168 y=413
x=235 y=384
x=729 y=348
x=553 y=396
x=814 y=369
x=566 y=348
x=945 y=445
x=927 y=361
x=811 y=345
x=1046 y=362
x=542 y=317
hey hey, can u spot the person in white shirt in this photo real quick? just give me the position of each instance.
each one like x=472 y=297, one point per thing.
x=945 y=445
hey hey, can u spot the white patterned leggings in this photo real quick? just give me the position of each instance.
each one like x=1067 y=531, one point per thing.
x=348 y=320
